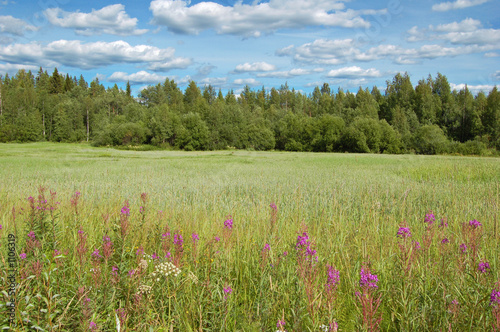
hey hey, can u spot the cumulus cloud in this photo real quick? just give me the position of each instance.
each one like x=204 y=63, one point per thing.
x=472 y=88
x=353 y=72
x=246 y=81
x=141 y=77
x=458 y=4
x=74 y=53
x=254 y=67
x=15 y=26
x=286 y=74
x=251 y=20
x=14 y=68
x=110 y=20
x=214 y=81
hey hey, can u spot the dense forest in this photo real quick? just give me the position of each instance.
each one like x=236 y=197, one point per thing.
x=428 y=118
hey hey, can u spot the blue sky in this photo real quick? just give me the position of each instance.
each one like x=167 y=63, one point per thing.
x=230 y=44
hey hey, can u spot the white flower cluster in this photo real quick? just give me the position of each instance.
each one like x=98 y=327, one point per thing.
x=166 y=269
x=144 y=289
x=192 y=277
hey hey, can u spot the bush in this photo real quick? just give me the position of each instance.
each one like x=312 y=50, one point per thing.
x=430 y=139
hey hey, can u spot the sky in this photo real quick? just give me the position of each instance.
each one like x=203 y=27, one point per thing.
x=231 y=44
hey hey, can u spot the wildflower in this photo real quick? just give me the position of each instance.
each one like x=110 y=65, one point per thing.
x=96 y=254
x=139 y=251
x=168 y=255
x=463 y=248
x=22 y=256
x=80 y=231
x=114 y=271
x=166 y=269
x=141 y=209
x=416 y=245
x=404 y=232
x=267 y=247
x=280 y=325
x=367 y=280
x=32 y=235
x=483 y=266
x=92 y=326
x=217 y=239
x=475 y=224
x=131 y=273
x=430 y=218
x=0 y=227
x=273 y=206
x=444 y=223
x=195 y=237
x=178 y=240
x=495 y=298
x=333 y=279
x=125 y=210
x=155 y=256
x=56 y=252
x=285 y=253
x=165 y=235
x=228 y=223
x=227 y=291
x=445 y=240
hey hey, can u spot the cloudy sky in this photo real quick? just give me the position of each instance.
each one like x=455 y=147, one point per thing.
x=230 y=44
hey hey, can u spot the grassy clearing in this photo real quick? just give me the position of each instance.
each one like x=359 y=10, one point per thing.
x=352 y=206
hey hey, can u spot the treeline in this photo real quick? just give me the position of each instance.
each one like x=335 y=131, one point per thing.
x=429 y=118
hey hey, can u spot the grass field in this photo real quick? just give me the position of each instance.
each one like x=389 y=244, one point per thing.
x=88 y=262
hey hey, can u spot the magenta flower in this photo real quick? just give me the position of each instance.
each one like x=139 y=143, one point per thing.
x=32 y=235
x=444 y=223
x=227 y=291
x=280 y=324
x=404 y=232
x=495 y=298
x=125 y=210
x=178 y=240
x=96 y=254
x=228 y=224
x=195 y=237
x=445 y=240
x=0 y=227
x=155 y=256
x=333 y=278
x=285 y=253
x=92 y=326
x=22 y=256
x=475 y=224
x=165 y=235
x=139 y=252
x=416 y=245
x=430 y=218
x=367 y=280
x=483 y=267
x=463 y=247
x=267 y=247
x=217 y=239
x=114 y=271
x=273 y=206
x=131 y=273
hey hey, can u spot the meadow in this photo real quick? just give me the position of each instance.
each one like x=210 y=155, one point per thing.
x=120 y=240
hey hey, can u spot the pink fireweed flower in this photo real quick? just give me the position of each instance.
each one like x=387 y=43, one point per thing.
x=168 y=256
x=463 y=248
x=475 y=224
x=430 y=218
x=195 y=237
x=444 y=223
x=178 y=240
x=155 y=256
x=96 y=254
x=22 y=256
x=92 y=326
x=1 y=227
x=285 y=253
x=114 y=271
x=125 y=210
x=131 y=273
x=139 y=251
x=495 y=298
x=416 y=245
x=228 y=224
x=273 y=206
x=445 y=240
x=217 y=239
x=367 y=280
x=280 y=325
x=267 y=247
x=165 y=235
x=32 y=235
x=404 y=232
x=333 y=279
x=227 y=291
x=483 y=267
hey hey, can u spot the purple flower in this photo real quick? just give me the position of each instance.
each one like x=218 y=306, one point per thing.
x=139 y=251
x=430 y=218
x=32 y=235
x=475 y=224
x=444 y=223
x=228 y=224
x=131 y=273
x=445 y=240
x=333 y=278
x=178 y=240
x=404 y=232
x=106 y=239
x=228 y=290
x=285 y=253
x=367 y=280
x=114 y=271
x=416 y=245
x=141 y=209
x=125 y=210
x=195 y=237
x=80 y=231
x=273 y=206
x=96 y=254
x=217 y=239
x=302 y=240
x=463 y=247
x=0 y=227
x=154 y=256
x=454 y=302
x=495 y=298
x=56 y=252
x=22 y=256
x=165 y=235
x=280 y=324
x=483 y=266
x=168 y=255
x=267 y=247
x=92 y=325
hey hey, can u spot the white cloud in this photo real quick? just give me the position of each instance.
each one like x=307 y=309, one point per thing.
x=353 y=72
x=111 y=20
x=491 y=54
x=496 y=75
x=254 y=67
x=15 y=26
x=472 y=88
x=76 y=54
x=286 y=74
x=141 y=77
x=214 y=81
x=246 y=81
x=467 y=25
x=251 y=20
x=14 y=68
x=458 y=4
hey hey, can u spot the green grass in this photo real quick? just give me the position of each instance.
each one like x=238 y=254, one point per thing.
x=351 y=204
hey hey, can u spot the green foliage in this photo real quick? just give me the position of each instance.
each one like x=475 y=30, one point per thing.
x=430 y=139
x=64 y=109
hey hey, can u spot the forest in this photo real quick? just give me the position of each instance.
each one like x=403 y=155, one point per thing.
x=429 y=118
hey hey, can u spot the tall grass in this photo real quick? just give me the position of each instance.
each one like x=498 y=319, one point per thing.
x=346 y=208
